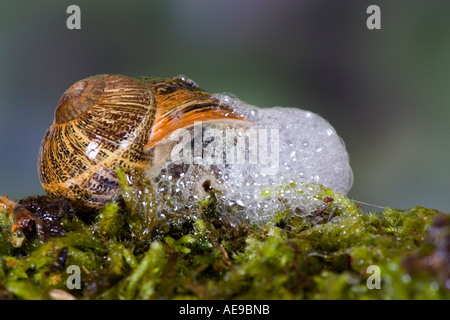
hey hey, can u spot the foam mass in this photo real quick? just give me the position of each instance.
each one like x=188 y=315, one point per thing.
x=277 y=161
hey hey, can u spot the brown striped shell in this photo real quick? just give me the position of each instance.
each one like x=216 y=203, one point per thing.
x=101 y=123
x=109 y=121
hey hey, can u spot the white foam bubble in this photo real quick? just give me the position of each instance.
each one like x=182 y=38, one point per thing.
x=284 y=146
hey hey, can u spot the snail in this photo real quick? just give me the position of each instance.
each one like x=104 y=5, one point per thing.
x=109 y=121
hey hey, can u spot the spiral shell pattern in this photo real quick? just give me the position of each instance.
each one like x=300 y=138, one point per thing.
x=101 y=123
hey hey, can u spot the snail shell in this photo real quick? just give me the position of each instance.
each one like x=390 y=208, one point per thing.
x=109 y=121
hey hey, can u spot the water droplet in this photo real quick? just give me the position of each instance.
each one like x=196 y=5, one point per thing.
x=434 y=286
x=406 y=278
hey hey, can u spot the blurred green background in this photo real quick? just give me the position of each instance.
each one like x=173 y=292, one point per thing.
x=385 y=91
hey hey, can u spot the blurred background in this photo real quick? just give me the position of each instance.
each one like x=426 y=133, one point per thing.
x=385 y=91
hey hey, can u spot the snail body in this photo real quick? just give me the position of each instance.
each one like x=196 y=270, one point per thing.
x=109 y=121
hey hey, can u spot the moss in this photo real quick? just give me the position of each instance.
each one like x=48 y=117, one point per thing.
x=127 y=251
x=6 y=222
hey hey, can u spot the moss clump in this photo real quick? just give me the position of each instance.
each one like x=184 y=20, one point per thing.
x=128 y=252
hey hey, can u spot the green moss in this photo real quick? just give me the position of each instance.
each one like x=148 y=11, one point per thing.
x=6 y=222
x=129 y=252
